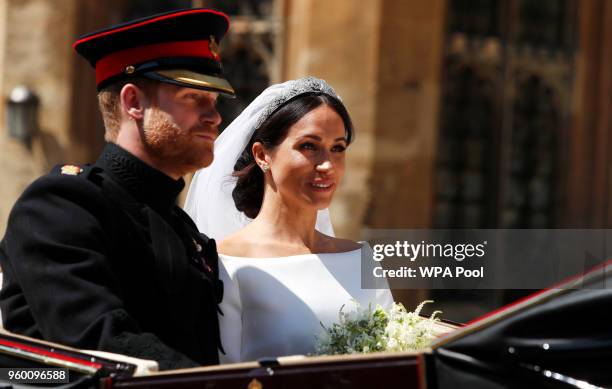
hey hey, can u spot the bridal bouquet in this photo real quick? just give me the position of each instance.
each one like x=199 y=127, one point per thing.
x=367 y=330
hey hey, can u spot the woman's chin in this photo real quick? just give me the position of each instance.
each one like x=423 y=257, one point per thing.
x=320 y=202
x=317 y=200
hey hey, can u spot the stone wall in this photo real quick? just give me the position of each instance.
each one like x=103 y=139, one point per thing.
x=407 y=102
x=36 y=51
x=36 y=45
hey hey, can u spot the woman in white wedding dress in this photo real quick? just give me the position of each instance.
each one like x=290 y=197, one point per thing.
x=265 y=198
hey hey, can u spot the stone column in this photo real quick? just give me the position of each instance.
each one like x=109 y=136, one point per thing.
x=589 y=181
x=406 y=129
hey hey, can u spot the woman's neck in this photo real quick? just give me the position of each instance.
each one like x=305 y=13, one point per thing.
x=290 y=225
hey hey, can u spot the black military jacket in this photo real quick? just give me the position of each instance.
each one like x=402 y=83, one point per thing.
x=105 y=260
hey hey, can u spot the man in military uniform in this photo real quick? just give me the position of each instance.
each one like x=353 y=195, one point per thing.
x=99 y=256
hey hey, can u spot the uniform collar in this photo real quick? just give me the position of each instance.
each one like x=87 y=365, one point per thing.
x=144 y=182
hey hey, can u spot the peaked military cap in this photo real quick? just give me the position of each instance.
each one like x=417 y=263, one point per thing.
x=178 y=47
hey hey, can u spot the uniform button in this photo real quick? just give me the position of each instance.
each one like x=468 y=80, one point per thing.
x=197 y=246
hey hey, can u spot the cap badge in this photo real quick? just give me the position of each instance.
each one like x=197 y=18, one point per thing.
x=71 y=170
x=214 y=47
x=130 y=69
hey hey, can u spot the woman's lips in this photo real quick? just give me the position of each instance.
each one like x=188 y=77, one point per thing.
x=322 y=186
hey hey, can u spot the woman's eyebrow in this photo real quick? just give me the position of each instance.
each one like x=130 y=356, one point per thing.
x=316 y=137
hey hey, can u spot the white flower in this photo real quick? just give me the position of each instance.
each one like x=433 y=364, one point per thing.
x=367 y=330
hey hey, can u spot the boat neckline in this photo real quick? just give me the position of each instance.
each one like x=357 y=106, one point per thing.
x=291 y=256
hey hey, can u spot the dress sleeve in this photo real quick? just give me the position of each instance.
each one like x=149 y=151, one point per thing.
x=58 y=252
x=230 y=322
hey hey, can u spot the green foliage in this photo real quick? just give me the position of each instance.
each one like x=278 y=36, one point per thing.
x=367 y=330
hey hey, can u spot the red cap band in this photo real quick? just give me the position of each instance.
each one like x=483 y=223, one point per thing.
x=116 y=62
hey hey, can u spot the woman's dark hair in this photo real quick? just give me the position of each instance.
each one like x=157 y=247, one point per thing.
x=249 y=190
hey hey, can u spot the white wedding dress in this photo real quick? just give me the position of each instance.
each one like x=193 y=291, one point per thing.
x=273 y=306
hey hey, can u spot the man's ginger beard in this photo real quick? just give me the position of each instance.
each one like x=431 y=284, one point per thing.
x=173 y=146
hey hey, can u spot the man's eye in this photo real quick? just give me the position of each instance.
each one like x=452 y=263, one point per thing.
x=308 y=146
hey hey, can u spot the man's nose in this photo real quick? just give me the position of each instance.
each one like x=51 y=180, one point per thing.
x=211 y=116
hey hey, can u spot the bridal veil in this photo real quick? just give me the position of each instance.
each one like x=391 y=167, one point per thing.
x=209 y=200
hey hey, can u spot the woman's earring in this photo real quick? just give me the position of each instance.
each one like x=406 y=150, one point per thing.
x=265 y=168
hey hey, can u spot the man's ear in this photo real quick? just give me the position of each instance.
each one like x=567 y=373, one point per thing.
x=259 y=154
x=133 y=101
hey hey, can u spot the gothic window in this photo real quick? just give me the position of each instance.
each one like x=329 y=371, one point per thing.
x=505 y=103
x=531 y=179
x=466 y=129
x=507 y=76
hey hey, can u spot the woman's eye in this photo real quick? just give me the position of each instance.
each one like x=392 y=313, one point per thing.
x=308 y=146
x=338 y=148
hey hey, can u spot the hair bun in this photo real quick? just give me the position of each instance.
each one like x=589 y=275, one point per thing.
x=248 y=193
